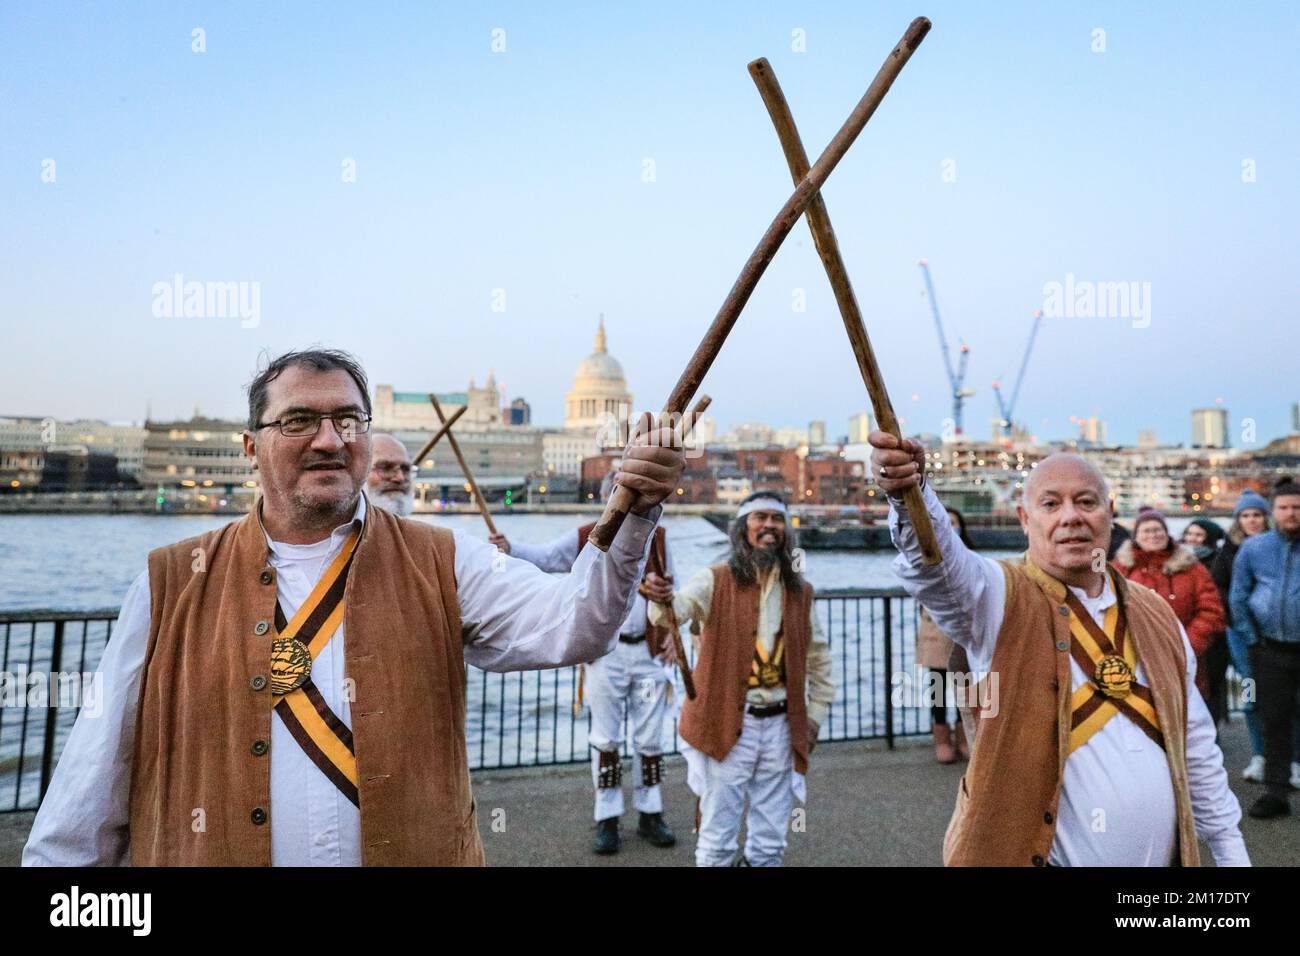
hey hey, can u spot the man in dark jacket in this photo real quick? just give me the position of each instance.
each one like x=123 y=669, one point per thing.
x=1118 y=534
x=1265 y=599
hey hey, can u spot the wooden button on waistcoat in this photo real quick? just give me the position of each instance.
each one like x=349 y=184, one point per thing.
x=258 y=816
x=258 y=682
x=259 y=748
x=267 y=576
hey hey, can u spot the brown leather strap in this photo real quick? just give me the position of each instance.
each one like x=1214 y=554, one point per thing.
x=1142 y=723
x=1103 y=640
x=1087 y=709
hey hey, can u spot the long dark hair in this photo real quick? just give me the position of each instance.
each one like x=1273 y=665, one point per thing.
x=744 y=564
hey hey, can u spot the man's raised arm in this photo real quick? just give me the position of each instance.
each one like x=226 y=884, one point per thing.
x=964 y=593
x=557 y=555
x=516 y=617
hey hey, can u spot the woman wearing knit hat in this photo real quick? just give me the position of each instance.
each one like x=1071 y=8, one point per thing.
x=1249 y=518
x=1203 y=536
x=1171 y=570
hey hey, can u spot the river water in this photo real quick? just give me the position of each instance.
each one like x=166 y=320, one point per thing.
x=82 y=562
x=87 y=562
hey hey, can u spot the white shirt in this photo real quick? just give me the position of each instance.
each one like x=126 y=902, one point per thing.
x=558 y=555
x=1117 y=801
x=513 y=617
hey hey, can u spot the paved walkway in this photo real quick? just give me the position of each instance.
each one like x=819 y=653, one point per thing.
x=867 y=805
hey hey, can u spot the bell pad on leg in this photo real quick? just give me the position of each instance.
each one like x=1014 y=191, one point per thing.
x=611 y=770
x=652 y=773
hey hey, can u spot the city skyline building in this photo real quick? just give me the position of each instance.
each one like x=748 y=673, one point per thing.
x=599 y=393
x=1092 y=430
x=1210 y=427
x=860 y=426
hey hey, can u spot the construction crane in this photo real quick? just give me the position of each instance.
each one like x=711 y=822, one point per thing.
x=1007 y=409
x=955 y=379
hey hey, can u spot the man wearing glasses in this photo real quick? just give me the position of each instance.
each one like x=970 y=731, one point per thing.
x=289 y=689
x=389 y=483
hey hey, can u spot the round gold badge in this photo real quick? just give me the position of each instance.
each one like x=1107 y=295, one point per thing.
x=1113 y=676
x=290 y=665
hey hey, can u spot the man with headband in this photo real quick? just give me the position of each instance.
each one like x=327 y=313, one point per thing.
x=763 y=683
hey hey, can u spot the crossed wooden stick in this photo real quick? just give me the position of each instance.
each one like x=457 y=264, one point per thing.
x=445 y=430
x=446 y=427
x=455 y=449
x=819 y=223
x=805 y=199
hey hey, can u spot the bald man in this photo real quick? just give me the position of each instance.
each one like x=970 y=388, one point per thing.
x=1094 y=747
x=388 y=484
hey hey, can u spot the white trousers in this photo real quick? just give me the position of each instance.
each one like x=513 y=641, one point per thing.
x=759 y=767
x=627 y=682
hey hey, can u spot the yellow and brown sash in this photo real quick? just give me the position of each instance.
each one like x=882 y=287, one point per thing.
x=1109 y=657
x=320 y=733
x=768 y=670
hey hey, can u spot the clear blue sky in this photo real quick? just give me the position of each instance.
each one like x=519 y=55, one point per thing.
x=522 y=171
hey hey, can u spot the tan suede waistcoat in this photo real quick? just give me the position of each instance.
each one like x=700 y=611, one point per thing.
x=1008 y=799
x=196 y=781
x=712 y=723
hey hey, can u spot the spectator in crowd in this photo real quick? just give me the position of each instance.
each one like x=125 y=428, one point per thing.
x=1204 y=536
x=1154 y=559
x=933 y=650
x=1118 y=533
x=1250 y=517
x=1265 y=599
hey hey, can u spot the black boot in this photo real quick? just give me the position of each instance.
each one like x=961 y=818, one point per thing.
x=653 y=828
x=1268 y=806
x=607 y=840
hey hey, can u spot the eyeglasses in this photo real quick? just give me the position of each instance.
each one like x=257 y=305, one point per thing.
x=303 y=425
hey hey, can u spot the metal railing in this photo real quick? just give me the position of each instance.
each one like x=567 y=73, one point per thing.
x=38 y=706
x=519 y=719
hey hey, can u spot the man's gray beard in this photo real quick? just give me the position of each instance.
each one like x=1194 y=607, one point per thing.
x=765 y=560
x=395 y=502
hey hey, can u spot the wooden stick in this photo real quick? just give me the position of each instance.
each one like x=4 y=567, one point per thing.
x=698 y=366
x=819 y=222
x=446 y=427
x=683 y=663
x=691 y=420
x=464 y=466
